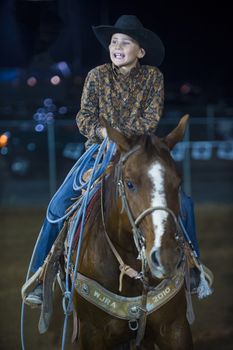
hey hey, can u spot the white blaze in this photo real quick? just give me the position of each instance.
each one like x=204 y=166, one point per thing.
x=158 y=199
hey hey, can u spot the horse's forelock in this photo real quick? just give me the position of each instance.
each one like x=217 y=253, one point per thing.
x=153 y=146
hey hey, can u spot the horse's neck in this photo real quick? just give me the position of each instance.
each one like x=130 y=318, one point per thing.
x=97 y=258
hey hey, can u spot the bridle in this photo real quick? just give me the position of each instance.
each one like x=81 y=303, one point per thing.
x=138 y=236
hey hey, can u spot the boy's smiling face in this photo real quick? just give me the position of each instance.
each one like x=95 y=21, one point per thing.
x=125 y=51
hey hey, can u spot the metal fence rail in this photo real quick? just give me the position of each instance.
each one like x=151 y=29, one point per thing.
x=34 y=160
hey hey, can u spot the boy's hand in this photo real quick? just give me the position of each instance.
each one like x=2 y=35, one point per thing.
x=102 y=132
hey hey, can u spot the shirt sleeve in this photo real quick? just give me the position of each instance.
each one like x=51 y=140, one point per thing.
x=88 y=116
x=153 y=107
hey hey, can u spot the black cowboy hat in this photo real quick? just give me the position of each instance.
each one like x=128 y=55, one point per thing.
x=130 y=25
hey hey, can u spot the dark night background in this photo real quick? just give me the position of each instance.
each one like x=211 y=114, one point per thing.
x=39 y=141
x=197 y=37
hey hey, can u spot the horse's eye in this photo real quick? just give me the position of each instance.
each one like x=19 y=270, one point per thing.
x=130 y=186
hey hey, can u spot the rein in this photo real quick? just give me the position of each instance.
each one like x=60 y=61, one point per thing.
x=125 y=269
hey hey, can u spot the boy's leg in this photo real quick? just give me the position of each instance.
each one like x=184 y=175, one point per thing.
x=188 y=220
x=200 y=282
x=189 y=228
x=49 y=231
x=48 y=234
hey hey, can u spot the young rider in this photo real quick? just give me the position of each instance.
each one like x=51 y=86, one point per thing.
x=128 y=93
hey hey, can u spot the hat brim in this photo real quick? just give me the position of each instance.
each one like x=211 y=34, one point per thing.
x=147 y=39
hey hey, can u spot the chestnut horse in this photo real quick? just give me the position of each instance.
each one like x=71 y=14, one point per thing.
x=133 y=222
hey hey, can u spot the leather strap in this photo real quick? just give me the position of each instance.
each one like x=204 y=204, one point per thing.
x=127 y=308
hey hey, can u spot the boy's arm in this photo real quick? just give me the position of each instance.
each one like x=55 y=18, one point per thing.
x=153 y=107
x=88 y=117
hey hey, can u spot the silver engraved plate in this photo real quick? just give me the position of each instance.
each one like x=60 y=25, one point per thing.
x=85 y=289
x=134 y=310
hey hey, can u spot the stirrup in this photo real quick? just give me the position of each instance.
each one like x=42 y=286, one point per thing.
x=30 y=282
x=35 y=298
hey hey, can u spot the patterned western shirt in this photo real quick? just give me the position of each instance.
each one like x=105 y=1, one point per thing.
x=131 y=103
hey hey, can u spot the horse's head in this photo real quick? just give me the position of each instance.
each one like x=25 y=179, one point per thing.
x=150 y=184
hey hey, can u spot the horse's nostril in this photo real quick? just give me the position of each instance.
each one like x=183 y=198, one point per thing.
x=154 y=257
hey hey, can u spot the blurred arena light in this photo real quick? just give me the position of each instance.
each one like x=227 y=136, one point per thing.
x=3 y=150
x=3 y=140
x=178 y=152
x=202 y=150
x=39 y=128
x=73 y=150
x=31 y=81
x=63 y=110
x=31 y=146
x=190 y=89
x=185 y=88
x=48 y=102
x=225 y=150
x=20 y=166
x=63 y=68
x=55 y=80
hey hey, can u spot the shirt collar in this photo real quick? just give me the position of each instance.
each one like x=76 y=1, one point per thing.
x=131 y=73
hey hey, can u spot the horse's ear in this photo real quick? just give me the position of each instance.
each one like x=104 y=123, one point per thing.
x=177 y=134
x=116 y=136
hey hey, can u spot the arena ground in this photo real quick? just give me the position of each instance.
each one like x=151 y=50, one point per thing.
x=213 y=328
